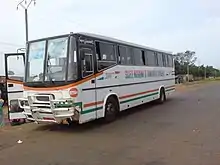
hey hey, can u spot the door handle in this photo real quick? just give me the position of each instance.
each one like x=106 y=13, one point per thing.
x=92 y=81
x=10 y=85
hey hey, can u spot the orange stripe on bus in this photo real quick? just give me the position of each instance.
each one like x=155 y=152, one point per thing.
x=64 y=87
x=15 y=81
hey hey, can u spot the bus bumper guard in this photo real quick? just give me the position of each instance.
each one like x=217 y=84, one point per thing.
x=49 y=110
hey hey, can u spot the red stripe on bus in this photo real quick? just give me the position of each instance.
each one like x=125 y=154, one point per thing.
x=93 y=104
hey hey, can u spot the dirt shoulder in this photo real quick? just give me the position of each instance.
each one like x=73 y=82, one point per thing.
x=195 y=85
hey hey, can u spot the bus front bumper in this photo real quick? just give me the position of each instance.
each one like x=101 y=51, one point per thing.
x=49 y=112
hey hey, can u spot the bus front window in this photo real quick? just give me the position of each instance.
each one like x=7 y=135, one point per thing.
x=35 y=63
x=56 y=60
x=51 y=63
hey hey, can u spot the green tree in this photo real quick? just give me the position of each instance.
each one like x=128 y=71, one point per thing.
x=184 y=60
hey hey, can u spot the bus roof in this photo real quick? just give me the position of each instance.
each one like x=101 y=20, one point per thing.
x=101 y=37
x=120 y=41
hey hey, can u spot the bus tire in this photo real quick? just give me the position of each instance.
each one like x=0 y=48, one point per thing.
x=162 y=97
x=69 y=121
x=111 y=109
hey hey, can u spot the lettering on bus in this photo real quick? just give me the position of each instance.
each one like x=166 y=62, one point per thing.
x=135 y=73
x=143 y=73
x=86 y=41
x=110 y=75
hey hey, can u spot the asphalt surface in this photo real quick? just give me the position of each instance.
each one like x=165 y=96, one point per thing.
x=184 y=130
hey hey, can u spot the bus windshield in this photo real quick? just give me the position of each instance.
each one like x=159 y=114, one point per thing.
x=49 y=63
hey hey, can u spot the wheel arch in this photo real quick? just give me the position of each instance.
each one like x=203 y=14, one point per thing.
x=114 y=95
x=162 y=87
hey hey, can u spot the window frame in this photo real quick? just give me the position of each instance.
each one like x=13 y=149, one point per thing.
x=156 y=59
x=127 y=48
x=160 y=54
x=146 y=54
x=142 y=56
x=88 y=48
x=115 y=54
x=165 y=62
x=172 y=62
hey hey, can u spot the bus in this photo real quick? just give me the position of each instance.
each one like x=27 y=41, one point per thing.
x=80 y=77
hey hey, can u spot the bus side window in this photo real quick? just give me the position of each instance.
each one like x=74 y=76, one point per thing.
x=105 y=55
x=87 y=61
x=126 y=55
x=143 y=57
x=122 y=55
x=165 y=63
x=156 y=59
x=167 y=60
x=160 y=59
x=170 y=60
x=138 y=57
x=150 y=58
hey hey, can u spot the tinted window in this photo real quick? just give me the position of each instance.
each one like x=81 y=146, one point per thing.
x=160 y=59
x=87 y=63
x=122 y=55
x=107 y=52
x=156 y=59
x=105 y=55
x=170 y=60
x=125 y=55
x=143 y=57
x=167 y=60
x=138 y=58
x=150 y=58
x=165 y=63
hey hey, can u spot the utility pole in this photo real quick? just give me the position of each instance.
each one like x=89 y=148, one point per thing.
x=25 y=6
x=198 y=68
x=189 y=62
x=188 y=71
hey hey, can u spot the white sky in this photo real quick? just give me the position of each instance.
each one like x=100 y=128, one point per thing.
x=163 y=24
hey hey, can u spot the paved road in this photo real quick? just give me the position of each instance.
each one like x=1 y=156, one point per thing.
x=183 y=131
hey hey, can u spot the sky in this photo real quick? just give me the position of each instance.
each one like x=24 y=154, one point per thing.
x=168 y=25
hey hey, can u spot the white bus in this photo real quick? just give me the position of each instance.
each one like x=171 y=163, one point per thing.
x=81 y=77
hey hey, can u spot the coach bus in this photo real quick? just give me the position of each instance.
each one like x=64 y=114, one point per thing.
x=81 y=77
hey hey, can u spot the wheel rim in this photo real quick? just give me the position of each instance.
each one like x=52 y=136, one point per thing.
x=110 y=110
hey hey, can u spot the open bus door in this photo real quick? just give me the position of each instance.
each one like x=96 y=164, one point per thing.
x=14 y=72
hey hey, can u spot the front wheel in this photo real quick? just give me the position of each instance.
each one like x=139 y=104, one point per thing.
x=111 y=109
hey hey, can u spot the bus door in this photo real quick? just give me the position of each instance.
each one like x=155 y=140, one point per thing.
x=14 y=71
x=87 y=55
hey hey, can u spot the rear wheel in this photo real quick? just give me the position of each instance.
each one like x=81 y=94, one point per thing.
x=162 y=98
x=69 y=121
x=111 y=109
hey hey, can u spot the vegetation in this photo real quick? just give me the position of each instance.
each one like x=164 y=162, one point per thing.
x=185 y=63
